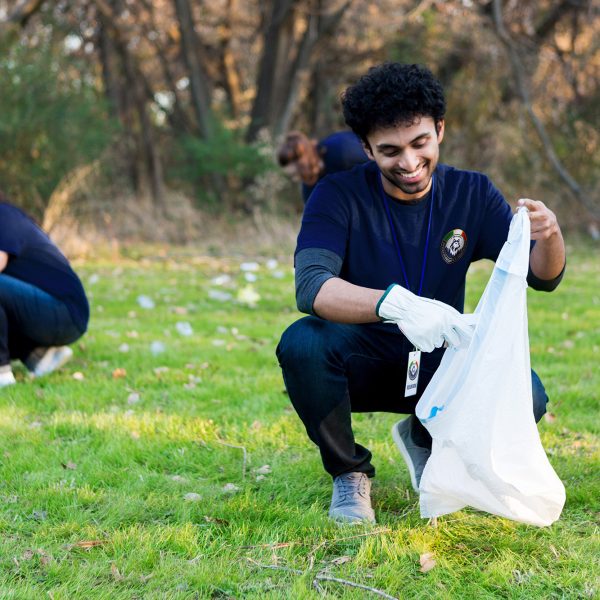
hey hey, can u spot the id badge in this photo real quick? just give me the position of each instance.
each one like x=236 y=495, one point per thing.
x=412 y=373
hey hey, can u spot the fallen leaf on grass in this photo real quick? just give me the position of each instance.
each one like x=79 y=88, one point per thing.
x=116 y=573
x=87 y=544
x=71 y=466
x=549 y=417
x=78 y=375
x=124 y=348
x=28 y=554
x=427 y=562
x=119 y=373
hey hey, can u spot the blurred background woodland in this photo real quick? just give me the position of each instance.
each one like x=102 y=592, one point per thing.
x=150 y=119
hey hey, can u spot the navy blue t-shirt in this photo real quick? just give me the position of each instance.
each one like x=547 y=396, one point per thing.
x=35 y=259
x=469 y=221
x=339 y=151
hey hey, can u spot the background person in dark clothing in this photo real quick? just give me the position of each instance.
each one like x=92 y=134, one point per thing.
x=43 y=306
x=309 y=160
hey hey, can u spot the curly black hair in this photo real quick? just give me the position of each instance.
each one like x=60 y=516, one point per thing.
x=392 y=94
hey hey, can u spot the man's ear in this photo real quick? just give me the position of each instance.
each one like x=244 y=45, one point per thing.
x=367 y=148
x=440 y=127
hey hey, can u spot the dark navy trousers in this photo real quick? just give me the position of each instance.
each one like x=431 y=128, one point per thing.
x=31 y=318
x=332 y=370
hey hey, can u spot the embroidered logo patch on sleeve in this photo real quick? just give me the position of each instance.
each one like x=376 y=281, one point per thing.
x=453 y=245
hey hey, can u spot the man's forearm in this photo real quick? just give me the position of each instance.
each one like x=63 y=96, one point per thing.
x=345 y=302
x=547 y=258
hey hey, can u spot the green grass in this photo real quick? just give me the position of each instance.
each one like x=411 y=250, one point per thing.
x=109 y=459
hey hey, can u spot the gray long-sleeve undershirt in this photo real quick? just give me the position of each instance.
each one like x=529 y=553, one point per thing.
x=314 y=266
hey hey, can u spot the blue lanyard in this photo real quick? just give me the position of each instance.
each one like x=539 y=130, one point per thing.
x=394 y=236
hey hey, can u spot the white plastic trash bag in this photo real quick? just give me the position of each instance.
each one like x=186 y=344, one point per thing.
x=478 y=408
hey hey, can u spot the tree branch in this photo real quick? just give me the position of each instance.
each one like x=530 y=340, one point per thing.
x=22 y=12
x=521 y=83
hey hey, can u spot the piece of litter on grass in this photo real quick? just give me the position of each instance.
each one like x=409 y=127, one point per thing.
x=78 y=375
x=119 y=373
x=248 y=295
x=145 y=301
x=179 y=479
x=192 y=497
x=132 y=334
x=94 y=278
x=160 y=370
x=260 y=477
x=230 y=488
x=272 y=264
x=251 y=277
x=264 y=470
x=71 y=466
x=157 y=347
x=219 y=295
x=278 y=274
x=249 y=266
x=218 y=342
x=221 y=329
x=133 y=398
x=427 y=562
x=220 y=279
x=549 y=417
x=124 y=347
x=340 y=560
x=184 y=328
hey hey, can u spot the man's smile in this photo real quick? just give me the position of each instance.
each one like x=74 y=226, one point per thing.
x=413 y=175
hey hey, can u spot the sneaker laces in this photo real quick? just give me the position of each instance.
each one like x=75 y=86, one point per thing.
x=349 y=486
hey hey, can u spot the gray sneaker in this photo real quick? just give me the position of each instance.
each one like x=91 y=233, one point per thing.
x=351 y=499
x=414 y=455
x=45 y=360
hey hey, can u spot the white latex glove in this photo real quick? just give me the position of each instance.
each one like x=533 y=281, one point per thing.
x=426 y=323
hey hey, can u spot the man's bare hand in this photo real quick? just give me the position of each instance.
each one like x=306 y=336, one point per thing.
x=544 y=224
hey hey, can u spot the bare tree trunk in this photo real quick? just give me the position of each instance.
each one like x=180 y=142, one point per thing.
x=196 y=73
x=285 y=63
x=109 y=77
x=130 y=95
x=523 y=90
x=277 y=35
x=231 y=76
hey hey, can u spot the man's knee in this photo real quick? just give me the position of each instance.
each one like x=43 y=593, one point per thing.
x=301 y=341
x=540 y=398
